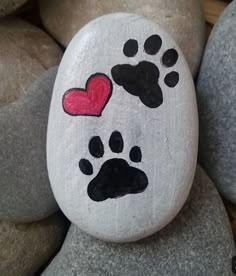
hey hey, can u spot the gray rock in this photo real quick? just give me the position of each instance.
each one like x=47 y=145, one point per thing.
x=198 y=242
x=26 y=247
x=183 y=19
x=8 y=6
x=25 y=53
x=25 y=190
x=217 y=105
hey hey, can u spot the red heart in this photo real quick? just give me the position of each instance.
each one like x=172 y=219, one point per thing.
x=91 y=100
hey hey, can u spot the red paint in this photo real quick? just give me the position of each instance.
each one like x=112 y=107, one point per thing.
x=91 y=100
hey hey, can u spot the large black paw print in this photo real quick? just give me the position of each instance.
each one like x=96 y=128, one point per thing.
x=116 y=177
x=142 y=79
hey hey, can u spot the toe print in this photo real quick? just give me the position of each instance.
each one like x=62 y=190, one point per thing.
x=130 y=48
x=85 y=167
x=142 y=80
x=170 y=58
x=116 y=142
x=116 y=178
x=135 y=154
x=152 y=45
x=96 y=147
x=171 y=79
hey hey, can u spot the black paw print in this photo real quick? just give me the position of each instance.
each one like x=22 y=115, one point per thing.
x=142 y=79
x=116 y=177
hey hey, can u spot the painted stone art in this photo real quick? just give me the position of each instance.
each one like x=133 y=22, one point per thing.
x=123 y=129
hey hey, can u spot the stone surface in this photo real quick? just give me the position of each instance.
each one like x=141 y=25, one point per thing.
x=25 y=190
x=231 y=210
x=26 y=247
x=122 y=153
x=8 y=6
x=183 y=19
x=198 y=242
x=25 y=53
x=217 y=100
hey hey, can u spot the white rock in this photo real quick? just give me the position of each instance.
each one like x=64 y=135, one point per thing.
x=103 y=195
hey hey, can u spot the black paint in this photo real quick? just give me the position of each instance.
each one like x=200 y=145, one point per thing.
x=130 y=48
x=96 y=148
x=116 y=142
x=172 y=79
x=140 y=80
x=152 y=45
x=116 y=178
x=153 y=97
x=170 y=58
x=135 y=154
x=86 y=167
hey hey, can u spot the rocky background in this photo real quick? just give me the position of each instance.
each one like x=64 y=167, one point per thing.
x=33 y=37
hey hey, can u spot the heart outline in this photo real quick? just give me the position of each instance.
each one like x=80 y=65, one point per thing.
x=86 y=90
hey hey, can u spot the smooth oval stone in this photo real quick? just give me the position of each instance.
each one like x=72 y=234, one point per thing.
x=26 y=194
x=183 y=19
x=123 y=131
x=198 y=242
x=9 y=6
x=27 y=247
x=25 y=53
x=217 y=100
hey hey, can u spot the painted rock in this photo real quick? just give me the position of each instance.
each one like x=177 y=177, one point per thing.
x=198 y=241
x=216 y=92
x=183 y=19
x=123 y=129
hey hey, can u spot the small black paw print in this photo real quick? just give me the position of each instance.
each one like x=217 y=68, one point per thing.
x=116 y=177
x=142 y=79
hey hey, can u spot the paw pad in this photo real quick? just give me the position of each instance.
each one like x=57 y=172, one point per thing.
x=116 y=177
